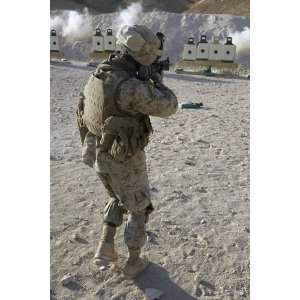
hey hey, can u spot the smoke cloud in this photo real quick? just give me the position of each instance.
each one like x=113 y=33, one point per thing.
x=129 y=16
x=72 y=25
x=242 y=42
x=77 y=29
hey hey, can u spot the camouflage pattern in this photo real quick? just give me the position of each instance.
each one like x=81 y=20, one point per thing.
x=148 y=98
x=135 y=231
x=93 y=91
x=140 y=42
x=126 y=180
x=83 y=130
x=89 y=149
x=99 y=93
x=128 y=183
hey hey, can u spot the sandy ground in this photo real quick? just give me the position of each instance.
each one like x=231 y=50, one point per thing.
x=198 y=160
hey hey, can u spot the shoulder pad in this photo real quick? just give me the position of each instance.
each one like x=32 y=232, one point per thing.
x=103 y=67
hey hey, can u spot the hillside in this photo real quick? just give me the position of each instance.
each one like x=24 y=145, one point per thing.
x=103 y=6
x=229 y=7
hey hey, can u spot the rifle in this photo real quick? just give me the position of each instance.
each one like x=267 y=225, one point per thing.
x=161 y=65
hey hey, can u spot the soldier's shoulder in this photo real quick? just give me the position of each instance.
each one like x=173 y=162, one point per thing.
x=135 y=90
x=135 y=86
x=106 y=71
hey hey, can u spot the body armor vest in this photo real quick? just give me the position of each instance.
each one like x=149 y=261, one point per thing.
x=121 y=134
x=99 y=93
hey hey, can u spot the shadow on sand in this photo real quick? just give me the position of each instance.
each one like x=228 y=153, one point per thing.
x=201 y=78
x=73 y=65
x=157 y=277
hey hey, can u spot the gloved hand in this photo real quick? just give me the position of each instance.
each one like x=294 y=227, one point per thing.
x=156 y=78
x=144 y=73
x=149 y=72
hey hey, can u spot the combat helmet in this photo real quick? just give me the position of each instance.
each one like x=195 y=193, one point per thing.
x=140 y=43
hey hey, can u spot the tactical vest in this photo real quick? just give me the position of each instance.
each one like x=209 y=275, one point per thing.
x=120 y=133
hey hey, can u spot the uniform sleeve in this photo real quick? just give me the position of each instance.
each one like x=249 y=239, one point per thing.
x=137 y=96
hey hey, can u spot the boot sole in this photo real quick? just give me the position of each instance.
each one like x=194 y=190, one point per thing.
x=142 y=268
x=98 y=260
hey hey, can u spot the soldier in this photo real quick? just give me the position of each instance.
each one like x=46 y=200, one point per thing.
x=114 y=111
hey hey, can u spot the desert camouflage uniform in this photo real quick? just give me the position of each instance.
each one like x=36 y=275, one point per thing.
x=127 y=182
x=115 y=144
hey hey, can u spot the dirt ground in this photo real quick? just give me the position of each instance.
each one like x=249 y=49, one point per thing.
x=198 y=161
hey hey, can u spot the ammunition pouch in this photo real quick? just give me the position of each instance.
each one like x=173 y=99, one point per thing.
x=122 y=137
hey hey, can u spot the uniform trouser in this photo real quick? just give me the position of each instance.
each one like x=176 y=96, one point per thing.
x=128 y=187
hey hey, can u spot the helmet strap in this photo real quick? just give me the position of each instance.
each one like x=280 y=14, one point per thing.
x=131 y=60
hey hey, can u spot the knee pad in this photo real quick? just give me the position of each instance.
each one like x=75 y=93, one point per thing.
x=113 y=213
x=135 y=231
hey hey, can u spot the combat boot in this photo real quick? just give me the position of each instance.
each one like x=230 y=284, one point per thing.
x=106 y=248
x=135 y=264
